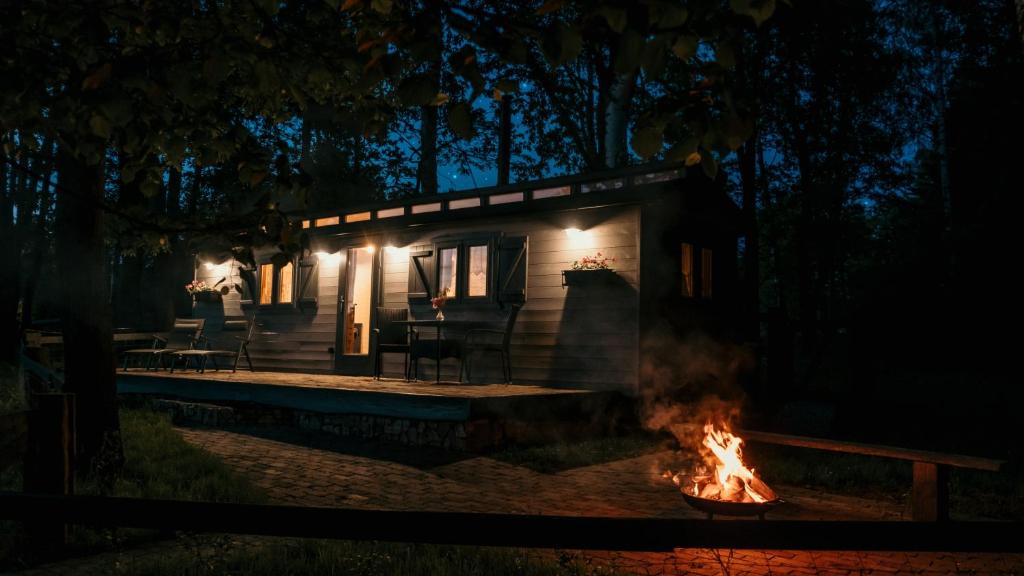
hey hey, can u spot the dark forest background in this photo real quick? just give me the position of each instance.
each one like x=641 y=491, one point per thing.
x=874 y=148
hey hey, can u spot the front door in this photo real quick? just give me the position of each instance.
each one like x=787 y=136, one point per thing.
x=357 y=296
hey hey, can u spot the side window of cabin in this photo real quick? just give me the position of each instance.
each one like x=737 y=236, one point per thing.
x=696 y=277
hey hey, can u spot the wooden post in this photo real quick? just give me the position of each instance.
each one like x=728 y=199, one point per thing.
x=49 y=460
x=930 y=496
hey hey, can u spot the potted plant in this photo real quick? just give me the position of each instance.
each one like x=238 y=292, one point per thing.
x=594 y=269
x=203 y=292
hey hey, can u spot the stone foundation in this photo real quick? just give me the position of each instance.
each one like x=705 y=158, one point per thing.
x=473 y=435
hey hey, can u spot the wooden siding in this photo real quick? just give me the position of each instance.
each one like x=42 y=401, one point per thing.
x=569 y=336
x=286 y=338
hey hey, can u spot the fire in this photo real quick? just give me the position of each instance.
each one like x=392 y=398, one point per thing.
x=732 y=480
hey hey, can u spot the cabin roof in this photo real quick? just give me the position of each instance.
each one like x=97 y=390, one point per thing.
x=624 y=186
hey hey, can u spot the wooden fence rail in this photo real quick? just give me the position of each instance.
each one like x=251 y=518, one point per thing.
x=529 y=531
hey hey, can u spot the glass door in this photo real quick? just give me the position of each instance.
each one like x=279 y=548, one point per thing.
x=356 y=300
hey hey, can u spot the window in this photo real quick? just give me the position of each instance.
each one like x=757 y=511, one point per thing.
x=464 y=266
x=687 y=268
x=448 y=272
x=693 y=272
x=285 y=281
x=285 y=284
x=266 y=283
x=477 y=271
x=705 y=273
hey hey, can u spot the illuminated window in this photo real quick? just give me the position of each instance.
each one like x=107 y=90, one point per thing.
x=447 y=271
x=705 y=273
x=687 y=267
x=391 y=212
x=461 y=203
x=305 y=224
x=477 y=273
x=357 y=217
x=332 y=221
x=266 y=283
x=505 y=198
x=285 y=284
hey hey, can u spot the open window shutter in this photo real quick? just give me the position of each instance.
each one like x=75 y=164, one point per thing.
x=247 y=286
x=309 y=282
x=512 y=263
x=421 y=272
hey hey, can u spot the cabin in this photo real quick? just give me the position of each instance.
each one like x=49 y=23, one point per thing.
x=669 y=237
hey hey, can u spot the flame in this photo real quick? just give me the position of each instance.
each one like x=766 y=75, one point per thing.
x=732 y=479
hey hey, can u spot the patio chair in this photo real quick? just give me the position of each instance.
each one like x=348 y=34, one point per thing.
x=390 y=338
x=490 y=340
x=236 y=331
x=184 y=335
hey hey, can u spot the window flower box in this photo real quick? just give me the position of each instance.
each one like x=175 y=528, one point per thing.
x=208 y=296
x=588 y=277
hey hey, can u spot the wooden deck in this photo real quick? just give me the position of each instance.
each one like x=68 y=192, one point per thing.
x=336 y=394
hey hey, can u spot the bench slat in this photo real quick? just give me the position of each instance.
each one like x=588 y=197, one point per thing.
x=956 y=460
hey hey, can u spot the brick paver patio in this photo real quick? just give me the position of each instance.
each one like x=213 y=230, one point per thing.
x=310 y=471
x=301 y=469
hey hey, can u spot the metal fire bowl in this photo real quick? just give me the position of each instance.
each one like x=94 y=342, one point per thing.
x=726 y=508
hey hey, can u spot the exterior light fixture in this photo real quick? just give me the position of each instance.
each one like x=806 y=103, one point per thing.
x=573 y=232
x=370 y=248
x=210 y=265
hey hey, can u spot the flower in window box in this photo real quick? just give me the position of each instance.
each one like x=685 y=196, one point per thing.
x=596 y=262
x=438 y=302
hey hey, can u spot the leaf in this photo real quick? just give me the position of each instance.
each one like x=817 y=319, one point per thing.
x=685 y=47
x=351 y=4
x=631 y=47
x=549 y=6
x=693 y=159
x=725 y=55
x=256 y=177
x=100 y=126
x=653 y=58
x=98 y=78
x=707 y=163
x=507 y=86
x=460 y=120
x=617 y=18
x=440 y=99
x=416 y=91
x=381 y=6
x=670 y=15
x=570 y=43
x=647 y=141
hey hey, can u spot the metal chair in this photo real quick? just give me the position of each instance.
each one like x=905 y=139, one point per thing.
x=202 y=356
x=490 y=340
x=183 y=336
x=390 y=337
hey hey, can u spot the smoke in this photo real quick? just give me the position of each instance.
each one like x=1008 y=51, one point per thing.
x=687 y=382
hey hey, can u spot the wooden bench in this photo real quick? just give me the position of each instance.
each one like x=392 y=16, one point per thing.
x=930 y=495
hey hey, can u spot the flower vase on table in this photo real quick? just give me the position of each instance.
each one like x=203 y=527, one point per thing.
x=438 y=303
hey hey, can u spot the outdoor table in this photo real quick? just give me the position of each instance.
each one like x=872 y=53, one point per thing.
x=439 y=325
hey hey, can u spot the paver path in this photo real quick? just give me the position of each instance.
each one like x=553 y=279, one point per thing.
x=300 y=469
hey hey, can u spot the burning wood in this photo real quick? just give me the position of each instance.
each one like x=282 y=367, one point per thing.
x=731 y=481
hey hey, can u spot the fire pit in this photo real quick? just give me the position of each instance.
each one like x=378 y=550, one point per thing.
x=733 y=489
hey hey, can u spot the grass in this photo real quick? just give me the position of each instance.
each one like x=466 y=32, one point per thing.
x=997 y=495
x=159 y=464
x=320 y=557
x=551 y=458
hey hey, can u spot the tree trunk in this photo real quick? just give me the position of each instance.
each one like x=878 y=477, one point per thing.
x=617 y=119
x=8 y=274
x=88 y=338
x=428 y=150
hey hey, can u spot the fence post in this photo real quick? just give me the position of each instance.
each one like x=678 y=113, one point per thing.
x=49 y=459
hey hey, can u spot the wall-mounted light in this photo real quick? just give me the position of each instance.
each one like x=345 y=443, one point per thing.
x=573 y=232
x=578 y=239
x=370 y=248
x=393 y=250
x=209 y=265
x=327 y=257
